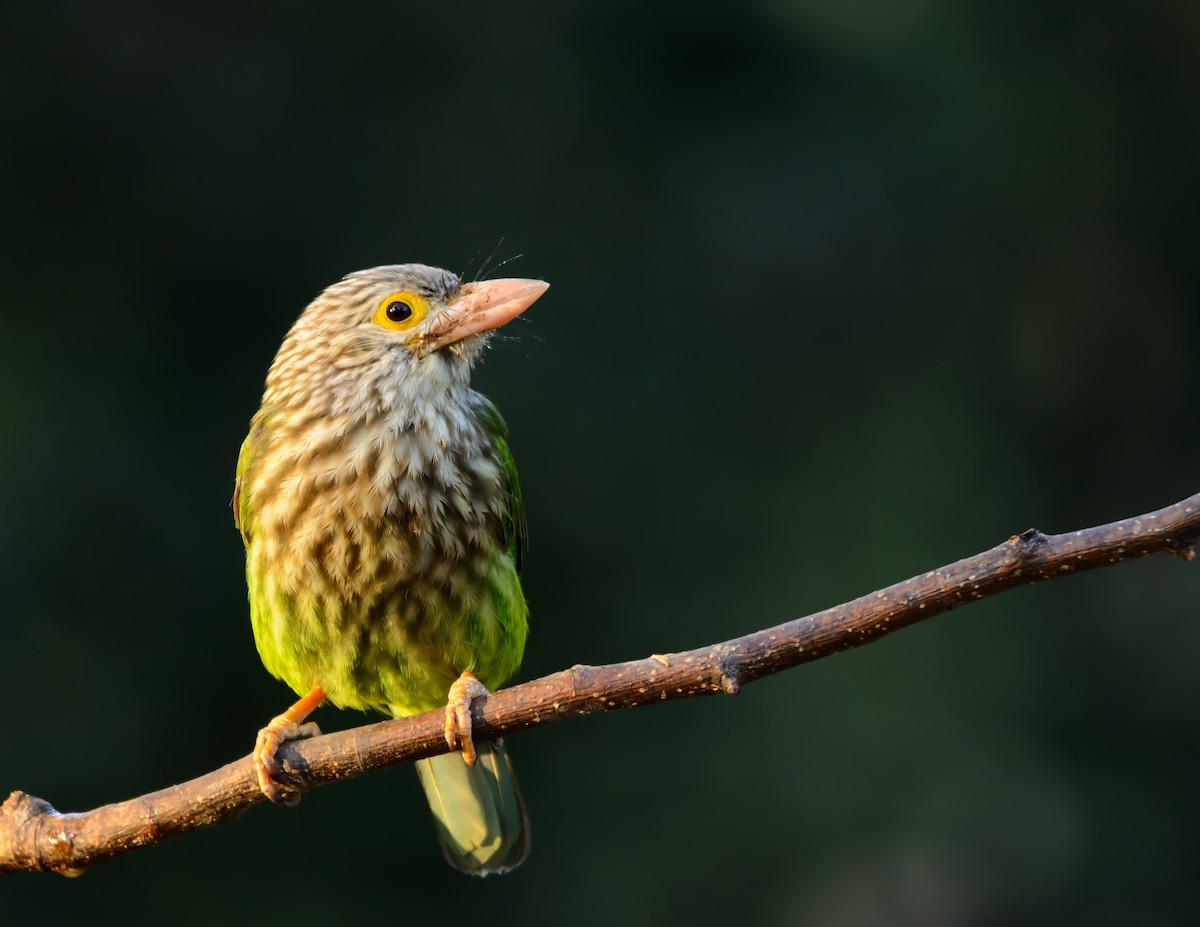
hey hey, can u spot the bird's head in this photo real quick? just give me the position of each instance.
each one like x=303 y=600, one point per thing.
x=399 y=327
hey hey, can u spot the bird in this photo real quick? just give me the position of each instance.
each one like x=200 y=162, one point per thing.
x=378 y=501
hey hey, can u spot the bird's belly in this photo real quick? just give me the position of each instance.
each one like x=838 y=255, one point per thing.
x=387 y=639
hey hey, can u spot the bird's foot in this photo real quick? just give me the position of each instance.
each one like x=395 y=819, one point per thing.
x=463 y=693
x=287 y=726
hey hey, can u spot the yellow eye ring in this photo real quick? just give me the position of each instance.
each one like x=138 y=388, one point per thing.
x=401 y=310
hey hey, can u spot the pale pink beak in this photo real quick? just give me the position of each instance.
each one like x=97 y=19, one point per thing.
x=481 y=307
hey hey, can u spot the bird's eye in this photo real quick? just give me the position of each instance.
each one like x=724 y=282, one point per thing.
x=401 y=311
x=398 y=311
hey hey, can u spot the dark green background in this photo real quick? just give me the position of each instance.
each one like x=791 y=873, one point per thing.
x=841 y=291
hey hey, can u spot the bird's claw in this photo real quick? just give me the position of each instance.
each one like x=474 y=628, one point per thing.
x=462 y=695
x=288 y=726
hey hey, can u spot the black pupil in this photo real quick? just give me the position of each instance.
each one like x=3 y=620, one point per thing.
x=398 y=311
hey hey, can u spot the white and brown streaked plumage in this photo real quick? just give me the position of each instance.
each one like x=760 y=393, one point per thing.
x=381 y=513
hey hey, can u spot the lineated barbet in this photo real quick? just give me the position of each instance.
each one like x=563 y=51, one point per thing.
x=380 y=509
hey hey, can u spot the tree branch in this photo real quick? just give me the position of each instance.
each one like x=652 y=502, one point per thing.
x=35 y=837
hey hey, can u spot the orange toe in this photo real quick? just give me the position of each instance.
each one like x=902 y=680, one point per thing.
x=287 y=726
x=462 y=695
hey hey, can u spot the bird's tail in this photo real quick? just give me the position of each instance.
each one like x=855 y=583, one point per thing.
x=480 y=816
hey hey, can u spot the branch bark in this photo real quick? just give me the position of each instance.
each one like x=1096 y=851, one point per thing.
x=36 y=837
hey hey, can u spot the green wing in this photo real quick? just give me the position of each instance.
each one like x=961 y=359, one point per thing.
x=516 y=532
x=242 y=517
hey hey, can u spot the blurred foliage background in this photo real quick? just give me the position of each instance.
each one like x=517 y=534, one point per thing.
x=841 y=291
